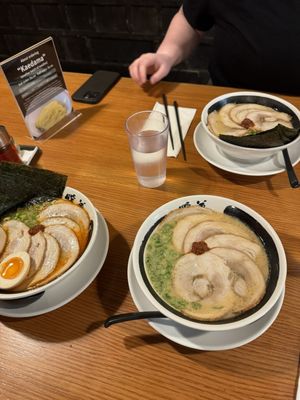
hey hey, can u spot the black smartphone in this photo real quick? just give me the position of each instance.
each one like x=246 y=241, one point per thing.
x=96 y=87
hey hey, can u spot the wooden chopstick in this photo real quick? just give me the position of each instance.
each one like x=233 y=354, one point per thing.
x=179 y=130
x=167 y=114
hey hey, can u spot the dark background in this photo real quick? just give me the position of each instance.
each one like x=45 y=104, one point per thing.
x=97 y=34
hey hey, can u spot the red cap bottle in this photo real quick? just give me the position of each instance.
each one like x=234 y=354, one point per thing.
x=8 y=151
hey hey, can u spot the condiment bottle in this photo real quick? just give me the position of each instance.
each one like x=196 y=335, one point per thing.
x=8 y=151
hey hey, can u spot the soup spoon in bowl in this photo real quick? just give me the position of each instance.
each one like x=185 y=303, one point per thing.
x=290 y=170
x=115 y=319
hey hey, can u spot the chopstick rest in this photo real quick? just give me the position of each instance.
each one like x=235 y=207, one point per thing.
x=186 y=116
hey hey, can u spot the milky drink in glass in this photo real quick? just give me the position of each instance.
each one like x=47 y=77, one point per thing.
x=148 y=137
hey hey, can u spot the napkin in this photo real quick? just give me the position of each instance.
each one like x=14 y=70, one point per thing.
x=186 y=116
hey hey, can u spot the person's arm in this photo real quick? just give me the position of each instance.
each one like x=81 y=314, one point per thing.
x=180 y=40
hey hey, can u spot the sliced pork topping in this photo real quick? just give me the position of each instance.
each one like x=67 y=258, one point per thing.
x=36 y=251
x=49 y=262
x=234 y=242
x=69 y=246
x=225 y=117
x=204 y=279
x=223 y=272
x=18 y=238
x=265 y=120
x=240 y=111
x=64 y=208
x=75 y=213
x=206 y=229
x=184 y=212
x=2 y=239
x=70 y=224
x=53 y=238
x=216 y=126
x=244 y=119
x=184 y=225
x=248 y=282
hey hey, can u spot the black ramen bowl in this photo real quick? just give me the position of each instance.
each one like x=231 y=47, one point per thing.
x=263 y=230
x=248 y=154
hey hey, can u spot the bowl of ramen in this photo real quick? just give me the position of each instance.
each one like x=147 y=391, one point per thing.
x=251 y=126
x=209 y=263
x=43 y=242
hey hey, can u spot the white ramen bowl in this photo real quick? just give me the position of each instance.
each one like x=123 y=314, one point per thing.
x=246 y=154
x=267 y=235
x=78 y=198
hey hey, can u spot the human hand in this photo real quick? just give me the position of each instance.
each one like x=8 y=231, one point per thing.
x=156 y=65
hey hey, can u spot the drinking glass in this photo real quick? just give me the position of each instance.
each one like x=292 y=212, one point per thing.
x=147 y=133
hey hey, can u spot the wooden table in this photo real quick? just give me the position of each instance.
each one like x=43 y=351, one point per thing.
x=67 y=353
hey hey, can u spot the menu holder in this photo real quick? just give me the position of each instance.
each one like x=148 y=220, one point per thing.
x=59 y=126
x=37 y=83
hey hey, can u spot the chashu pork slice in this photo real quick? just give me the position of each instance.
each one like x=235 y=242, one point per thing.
x=49 y=263
x=3 y=238
x=67 y=209
x=69 y=249
x=36 y=251
x=216 y=126
x=183 y=212
x=203 y=280
x=225 y=116
x=265 y=120
x=81 y=236
x=18 y=238
x=248 y=282
x=205 y=229
x=236 y=242
x=239 y=112
x=184 y=225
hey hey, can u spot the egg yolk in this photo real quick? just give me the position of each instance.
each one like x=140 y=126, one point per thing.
x=11 y=268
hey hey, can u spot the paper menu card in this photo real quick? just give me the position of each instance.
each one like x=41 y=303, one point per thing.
x=36 y=80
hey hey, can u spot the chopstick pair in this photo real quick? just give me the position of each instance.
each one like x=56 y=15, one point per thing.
x=175 y=104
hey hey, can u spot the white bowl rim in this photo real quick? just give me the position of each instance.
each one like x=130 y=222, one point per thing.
x=93 y=216
x=222 y=143
x=173 y=204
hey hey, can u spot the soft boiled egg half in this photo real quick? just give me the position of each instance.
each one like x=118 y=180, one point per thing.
x=14 y=269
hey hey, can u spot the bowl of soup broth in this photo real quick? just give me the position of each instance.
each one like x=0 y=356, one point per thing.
x=44 y=241
x=209 y=262
x=251 y=126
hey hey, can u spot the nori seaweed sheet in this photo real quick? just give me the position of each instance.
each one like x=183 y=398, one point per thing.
x=277 y=136
x=20 y=183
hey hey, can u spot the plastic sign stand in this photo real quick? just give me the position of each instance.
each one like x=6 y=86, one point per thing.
x=36 y=80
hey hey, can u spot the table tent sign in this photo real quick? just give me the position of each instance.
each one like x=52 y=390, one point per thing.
x=36 y=80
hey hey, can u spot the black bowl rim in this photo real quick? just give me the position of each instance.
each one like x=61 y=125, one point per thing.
x=262 y=99
x=267 y=242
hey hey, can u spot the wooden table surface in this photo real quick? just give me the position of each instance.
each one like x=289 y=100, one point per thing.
x=67 y=353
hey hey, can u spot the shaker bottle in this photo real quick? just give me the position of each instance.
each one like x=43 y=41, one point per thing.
x=8 y=151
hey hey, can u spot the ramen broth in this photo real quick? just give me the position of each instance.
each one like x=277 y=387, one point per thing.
x=54 y=233
x=161 y=257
